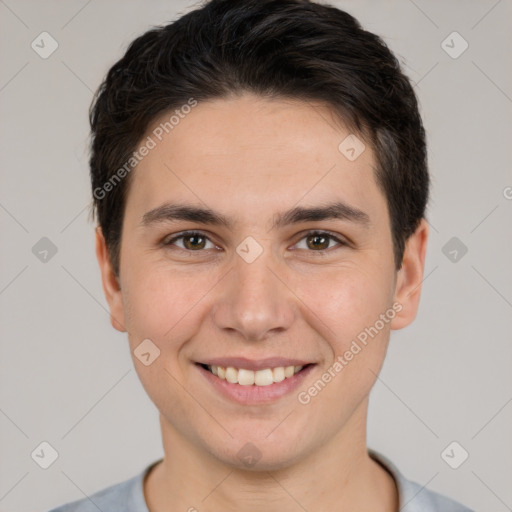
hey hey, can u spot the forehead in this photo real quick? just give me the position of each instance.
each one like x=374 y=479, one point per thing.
x=251 y=154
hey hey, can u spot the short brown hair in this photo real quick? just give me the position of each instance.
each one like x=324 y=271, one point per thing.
x=275 y=48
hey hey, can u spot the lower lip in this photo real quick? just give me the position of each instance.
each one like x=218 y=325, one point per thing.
x=255 y=394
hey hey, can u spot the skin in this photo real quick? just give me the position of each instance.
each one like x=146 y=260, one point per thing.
x=251 y=158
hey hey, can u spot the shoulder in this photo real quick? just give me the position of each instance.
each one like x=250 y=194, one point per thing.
x=414 y=497
x=127 y=496
x=418 y=498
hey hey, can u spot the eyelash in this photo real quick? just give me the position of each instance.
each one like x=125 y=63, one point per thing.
x=322 y=252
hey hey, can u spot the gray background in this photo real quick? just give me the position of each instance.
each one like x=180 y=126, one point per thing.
x=66 y=375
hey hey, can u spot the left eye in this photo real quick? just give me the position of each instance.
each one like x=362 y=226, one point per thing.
x=319 y=241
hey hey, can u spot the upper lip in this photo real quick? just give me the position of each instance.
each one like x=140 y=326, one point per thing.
x=253 y=364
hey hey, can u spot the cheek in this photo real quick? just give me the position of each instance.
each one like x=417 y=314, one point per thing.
x=344 y=302
x=348 y=316
x=164 y=307
x=160 y=301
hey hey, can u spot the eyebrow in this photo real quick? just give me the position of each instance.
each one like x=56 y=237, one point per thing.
x=187 y=212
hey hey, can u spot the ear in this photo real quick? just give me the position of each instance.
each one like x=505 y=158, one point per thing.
x=111 y=287
x=410 y=277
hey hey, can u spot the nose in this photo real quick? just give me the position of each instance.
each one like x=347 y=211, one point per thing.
x=254 y=301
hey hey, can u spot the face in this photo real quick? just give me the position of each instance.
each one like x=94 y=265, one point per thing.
x=265 y=278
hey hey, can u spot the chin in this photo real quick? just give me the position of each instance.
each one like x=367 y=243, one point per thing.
x=259 y=455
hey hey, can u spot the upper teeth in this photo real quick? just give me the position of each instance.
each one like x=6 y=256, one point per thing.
x=259 y=378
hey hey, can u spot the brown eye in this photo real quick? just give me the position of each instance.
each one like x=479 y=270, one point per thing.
x=194 y=242
x=319 y=242
x=191 y=241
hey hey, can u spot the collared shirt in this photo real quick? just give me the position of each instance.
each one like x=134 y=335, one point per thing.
x=128 y=496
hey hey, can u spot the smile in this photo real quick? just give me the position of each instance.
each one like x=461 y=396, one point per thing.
x=245 y=377
x=263 y=382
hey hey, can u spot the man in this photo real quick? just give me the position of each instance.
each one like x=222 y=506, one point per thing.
x=260 y=180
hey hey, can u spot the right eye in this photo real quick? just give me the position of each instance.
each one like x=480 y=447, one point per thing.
x=193 y=241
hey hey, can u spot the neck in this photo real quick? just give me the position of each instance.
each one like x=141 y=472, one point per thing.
x=339 y=475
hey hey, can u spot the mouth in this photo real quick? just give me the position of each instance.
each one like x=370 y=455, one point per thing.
x=264 y=382
x=245 y=377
